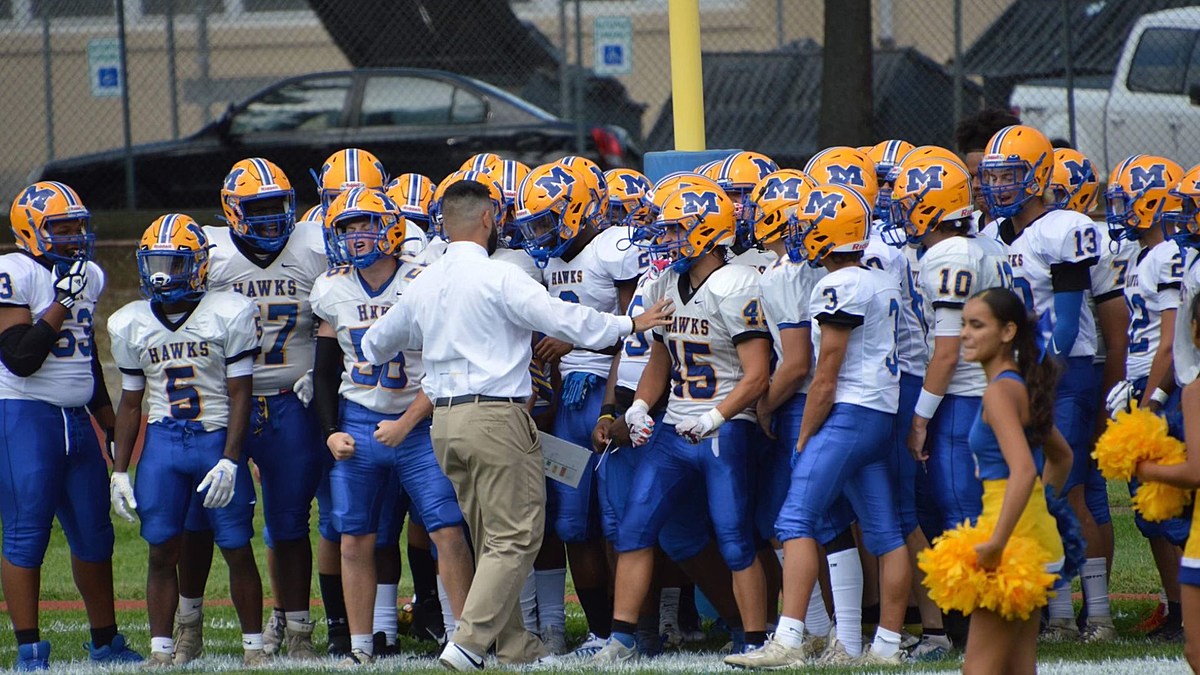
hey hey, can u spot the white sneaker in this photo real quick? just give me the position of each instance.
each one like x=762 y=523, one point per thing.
x=357 y=658
x=672 y=637
x=614 y=652
x=590 y=647
x=458 y=658
x=768 y=657
x=273 y=634
x=835 y=654
x=555 y=639
x=189 y=639
x=872 y=658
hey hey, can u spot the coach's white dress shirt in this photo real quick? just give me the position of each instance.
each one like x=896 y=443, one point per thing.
x=473 y=319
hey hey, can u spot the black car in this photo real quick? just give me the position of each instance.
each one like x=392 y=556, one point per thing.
x=414 y=120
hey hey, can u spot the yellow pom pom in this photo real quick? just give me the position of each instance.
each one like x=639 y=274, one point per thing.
x=1019 y=585
x=1134 y=436
x=1157 y=502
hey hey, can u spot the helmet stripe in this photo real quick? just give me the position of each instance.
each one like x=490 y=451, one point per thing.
x=890 y=151
x=67 y=193
x=998 y=141
x=164 y=233
x=414 y=190
x=351 y=166
x=264 y=171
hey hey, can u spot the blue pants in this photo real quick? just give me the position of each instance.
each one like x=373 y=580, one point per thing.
x=684 y=534
x=900 y=461
x=51 y=465
x=1095 y=490
x=575 y=511
x=285 y=443
x=359 y=484
x=950 y=489
x=175 y=458
x=672 y=467
x=1075 y=405
x=847 y=455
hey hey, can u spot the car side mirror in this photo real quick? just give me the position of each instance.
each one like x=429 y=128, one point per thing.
x=1194 y=93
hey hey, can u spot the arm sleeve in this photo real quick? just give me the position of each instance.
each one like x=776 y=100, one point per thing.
x=124 y=354
x=395 y=331
x=240 y=368
x=781 y=296
x=1067 y=306
x=838 y=302
x=741 y=310
x=947 y=321
x=529 y=305
x=24 y=348
x=327 y=375
x=244 y=335
x=100 y=398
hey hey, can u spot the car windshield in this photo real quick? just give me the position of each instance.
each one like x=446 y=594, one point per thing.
x=498 y=93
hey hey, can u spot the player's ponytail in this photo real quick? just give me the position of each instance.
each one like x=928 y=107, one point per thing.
x=1039 y=371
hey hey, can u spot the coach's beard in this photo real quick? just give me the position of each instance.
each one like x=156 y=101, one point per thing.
x=493 y=241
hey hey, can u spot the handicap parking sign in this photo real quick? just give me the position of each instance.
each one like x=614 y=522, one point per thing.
x=614 y=45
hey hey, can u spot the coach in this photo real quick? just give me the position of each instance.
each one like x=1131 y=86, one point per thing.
x=473 y=319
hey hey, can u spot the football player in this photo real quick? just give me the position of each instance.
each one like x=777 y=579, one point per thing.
x=737 y=175
x=846 y=431
x=194 y=351
x=1140 y=207
x=559 y=214
x=50 y=381
x=375 y=419
x=1187 y=357
x=1051 y=254
x=971 y=139
x=715 y=356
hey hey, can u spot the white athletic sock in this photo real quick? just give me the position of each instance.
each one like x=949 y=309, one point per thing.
x=364 y=643
x=551 y=593
x=816 y=620
x=385 y=618
x=251 y=641
x=1095 y=587
x=1060 y=604
x=668 y=609
x=846 y=582
x=790 y=632
x=190 y=608
x=447 y=612
x=162 y=645
x=298 y=616
x=886 y=642
x=529 y=607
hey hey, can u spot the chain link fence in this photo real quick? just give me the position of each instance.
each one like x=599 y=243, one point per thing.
x=598 y=64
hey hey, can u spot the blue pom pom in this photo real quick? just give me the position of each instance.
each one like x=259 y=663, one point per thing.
x=1074 y=548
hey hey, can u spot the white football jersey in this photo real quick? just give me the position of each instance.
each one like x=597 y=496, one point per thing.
x=341 y=299
x=184 y=363
x=415 y=239
x=758 y=259
x=703 y=336
x=869 y=300
x=590 y=279
x=65 y=377
x=1108 y=278
x=635 y=349
x=1187 y=357
x=1151 y=287
x=911 y=345
x=786 y=292
x=437 y=248
x=1057 y=237
x=953 y=270
x=280 y=284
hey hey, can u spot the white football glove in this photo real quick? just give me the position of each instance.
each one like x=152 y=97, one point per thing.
x=120 y=493
x=641 y=425
x=1119 y=397
x=304 y=388
x=69 y=282
x=696 y=428
x=219 y=483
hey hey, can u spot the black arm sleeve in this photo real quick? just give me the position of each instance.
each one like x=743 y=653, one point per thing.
x=24 y=348
x=100 y=397
x=327 y=376
x=1068 y=277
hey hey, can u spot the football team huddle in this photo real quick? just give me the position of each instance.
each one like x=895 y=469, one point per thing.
x=864 y=354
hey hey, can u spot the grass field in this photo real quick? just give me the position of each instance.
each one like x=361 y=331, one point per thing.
x=1134 y=585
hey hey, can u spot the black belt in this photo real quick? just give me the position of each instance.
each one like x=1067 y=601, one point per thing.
x=475 y=398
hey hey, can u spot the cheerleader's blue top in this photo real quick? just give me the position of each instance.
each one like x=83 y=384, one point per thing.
x=989 y=460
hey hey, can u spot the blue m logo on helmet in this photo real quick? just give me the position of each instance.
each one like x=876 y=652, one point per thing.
x=557 y=181
x=782 y=188
x=846 y=175
x=1153 y=176
x=36 y=198
x=929 y=178
x=1079 y=172
x=824 y=204
x=699 y=203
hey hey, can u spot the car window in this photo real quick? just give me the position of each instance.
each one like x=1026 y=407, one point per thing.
x=1193 y=72
x=310 y=105
x=400 y=100
x=1161 y=60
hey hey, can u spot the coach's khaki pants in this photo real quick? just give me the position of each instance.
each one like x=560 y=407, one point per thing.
x=492 y=455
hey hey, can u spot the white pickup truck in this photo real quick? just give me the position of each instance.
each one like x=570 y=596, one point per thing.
x=1150 y=105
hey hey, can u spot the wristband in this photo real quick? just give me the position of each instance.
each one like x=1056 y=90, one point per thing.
x=329 y=431
x=606 y=416
x=1159 y=396
x=608 y=410
x=927 y=404
x=717 y=418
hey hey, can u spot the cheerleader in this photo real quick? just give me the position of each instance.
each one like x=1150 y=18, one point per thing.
x=998 y=335
x=1187 y=476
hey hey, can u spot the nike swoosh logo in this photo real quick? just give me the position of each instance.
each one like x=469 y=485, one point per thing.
x=288 y=266
x=478 y=664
